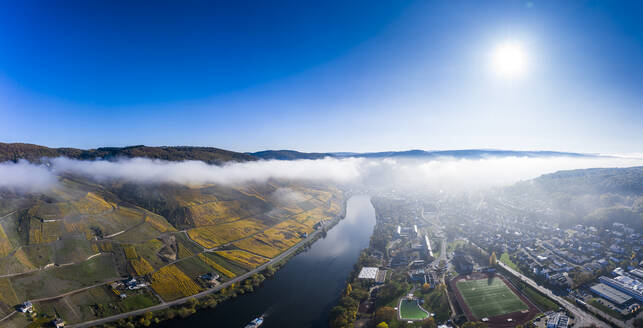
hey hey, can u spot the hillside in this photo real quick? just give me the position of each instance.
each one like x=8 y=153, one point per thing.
x=88 y=233
x=210 y=155
x=597 y=196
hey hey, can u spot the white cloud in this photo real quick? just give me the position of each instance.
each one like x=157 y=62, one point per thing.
x=25 y=177
x=443 y=173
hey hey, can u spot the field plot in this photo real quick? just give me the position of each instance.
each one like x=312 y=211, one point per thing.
x=95 y=303
x=141 y=267
x=244 y=258
x=18 y=262
x=212 y=236
x=8 y=297
x=234 y=267
x=72 y=250
x=216 y=212
x=216 y=266
x=148 y=252
x=171 y=283
x=311 y=217
x=5 y=245
x=56 y=281
x=275 y=240
x=194 y=267
x=489 y=297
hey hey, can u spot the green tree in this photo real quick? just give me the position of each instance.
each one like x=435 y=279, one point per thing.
x=338 y=317
x=385 y=313
x=429 y=323
x=492 y=259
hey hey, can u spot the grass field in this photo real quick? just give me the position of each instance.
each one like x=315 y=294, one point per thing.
x=504 y=258
x=489 y=298
x=410 y=310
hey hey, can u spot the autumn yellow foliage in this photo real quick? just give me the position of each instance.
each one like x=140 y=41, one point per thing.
x=141 y=266
x=159 y=223
x=217 y=266
x=215 y=212
x=92 y=204
x=5 y=245
x=22 y=257
x=7 y=294
x=130 y=252
x=243 y=257
x=259 y=244
x=171 y=283
x=275 y=240
x=212 y=236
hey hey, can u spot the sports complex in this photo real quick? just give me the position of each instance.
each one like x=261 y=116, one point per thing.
x=492 y=299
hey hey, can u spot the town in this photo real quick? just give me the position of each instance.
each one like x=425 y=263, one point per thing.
x=442 y=262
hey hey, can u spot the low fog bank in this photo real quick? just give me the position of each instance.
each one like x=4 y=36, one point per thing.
x=448 y=174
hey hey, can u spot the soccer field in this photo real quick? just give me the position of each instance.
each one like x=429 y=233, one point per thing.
x=410 y=310
x=489 y=299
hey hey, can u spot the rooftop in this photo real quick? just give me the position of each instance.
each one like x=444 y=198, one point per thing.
x=368 y=273
x=611 y=293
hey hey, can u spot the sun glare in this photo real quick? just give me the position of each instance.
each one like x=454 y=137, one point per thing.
x=509 y=60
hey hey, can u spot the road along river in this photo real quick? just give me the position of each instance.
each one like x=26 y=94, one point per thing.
x=301 y=293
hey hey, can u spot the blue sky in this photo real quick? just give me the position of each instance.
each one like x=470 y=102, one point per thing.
x=324 y=76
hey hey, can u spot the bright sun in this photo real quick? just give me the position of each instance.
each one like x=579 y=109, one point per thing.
x=509 y=60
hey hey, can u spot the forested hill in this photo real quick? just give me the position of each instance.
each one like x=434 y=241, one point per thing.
x=599 y=196
x=289 y=155
x=628 y=181
x=460 y=153
x=33 y=153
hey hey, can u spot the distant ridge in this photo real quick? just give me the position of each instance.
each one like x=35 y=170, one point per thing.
x=464 y=153
x=34 y=153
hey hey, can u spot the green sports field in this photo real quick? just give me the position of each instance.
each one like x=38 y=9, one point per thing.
x=489 y=298
x=410 y=310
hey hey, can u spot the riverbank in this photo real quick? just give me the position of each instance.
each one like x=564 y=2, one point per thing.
x=302 y=292
x=211 y=297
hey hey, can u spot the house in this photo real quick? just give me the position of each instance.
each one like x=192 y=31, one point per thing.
x=558 y=320
x=463 y=262
x=210 y=277
x=58 y=323
x=418 y=276
x=26 y=307
x=133 y=284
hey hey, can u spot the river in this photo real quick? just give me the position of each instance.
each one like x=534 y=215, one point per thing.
x=303 y=291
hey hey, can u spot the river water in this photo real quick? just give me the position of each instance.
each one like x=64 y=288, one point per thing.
x=302 y=292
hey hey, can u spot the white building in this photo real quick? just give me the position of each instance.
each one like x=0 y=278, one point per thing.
x=368 y=273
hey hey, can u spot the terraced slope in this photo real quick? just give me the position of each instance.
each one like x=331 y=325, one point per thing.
x=63 y=248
